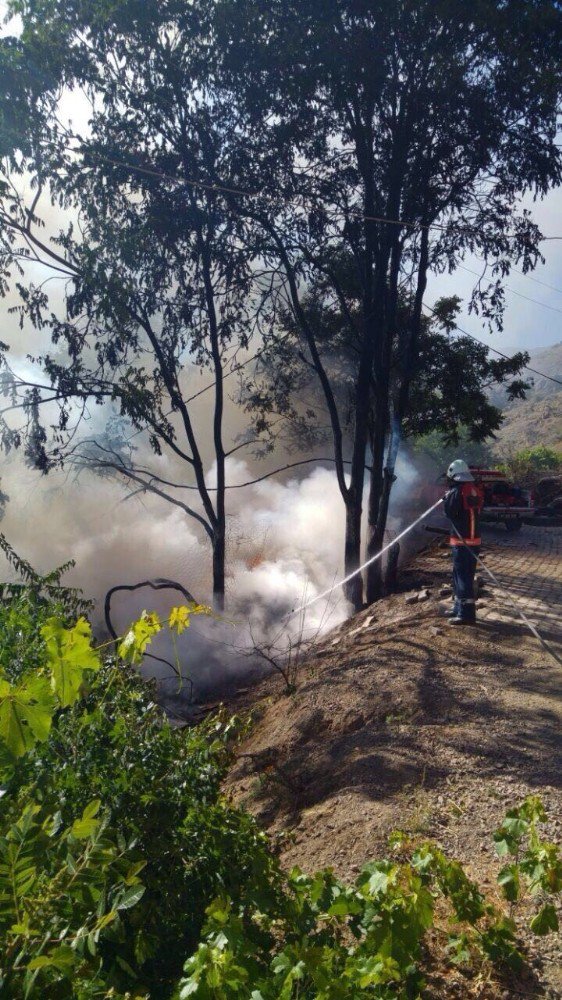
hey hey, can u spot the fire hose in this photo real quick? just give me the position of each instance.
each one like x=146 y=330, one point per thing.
x=532 y=628
x=369 y=562
x=340 y=583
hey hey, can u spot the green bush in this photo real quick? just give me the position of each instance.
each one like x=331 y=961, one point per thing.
x=331 y=941
x=529 y=465
x=80 y=734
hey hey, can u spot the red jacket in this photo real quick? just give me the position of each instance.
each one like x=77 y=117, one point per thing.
x=463 y=504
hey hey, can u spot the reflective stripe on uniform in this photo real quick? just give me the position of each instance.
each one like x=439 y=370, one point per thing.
x=465 y=541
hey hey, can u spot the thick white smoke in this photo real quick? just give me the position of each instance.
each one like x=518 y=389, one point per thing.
x=285 y=541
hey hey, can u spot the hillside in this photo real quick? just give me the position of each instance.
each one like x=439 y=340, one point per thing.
x=538 y=418
x=400 y=722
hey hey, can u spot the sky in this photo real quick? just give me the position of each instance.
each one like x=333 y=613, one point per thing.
x=528 y=325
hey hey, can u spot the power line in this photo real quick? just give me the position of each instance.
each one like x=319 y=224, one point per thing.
x=258 y=354
x=227 y=189
x=494 y=350
x=537 y=302
x=529 y=277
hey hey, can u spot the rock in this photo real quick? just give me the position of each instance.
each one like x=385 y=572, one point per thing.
x=445 y=591
x=355 y=631
x=410 y=599
x=435 y=631
x=422 y=596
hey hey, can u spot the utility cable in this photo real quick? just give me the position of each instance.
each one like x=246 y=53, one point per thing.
x=494 y=350
x=530 y=277
x=528 y=298
x=228 y=189
x=369 y=562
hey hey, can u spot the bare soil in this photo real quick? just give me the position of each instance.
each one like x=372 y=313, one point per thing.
x=401 y=722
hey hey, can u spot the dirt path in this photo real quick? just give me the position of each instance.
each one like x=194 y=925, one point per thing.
x=401 y=721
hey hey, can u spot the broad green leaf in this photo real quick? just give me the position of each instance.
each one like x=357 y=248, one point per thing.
x=70 y=655
x=88 y=824
x=508 y=878
x=63 y=959
x=92 y=809
x=501 y=845
x=130 y=897
x=515 y=826
x=180 y=617
x=545 y=921
x=139 y=636
x=26 y=712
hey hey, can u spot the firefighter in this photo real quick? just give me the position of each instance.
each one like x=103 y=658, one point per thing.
x=463 y=503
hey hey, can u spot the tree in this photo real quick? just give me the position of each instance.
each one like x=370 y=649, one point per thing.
x=284 y=395
x=158 y=277
x=414 y=129
x=400 y=134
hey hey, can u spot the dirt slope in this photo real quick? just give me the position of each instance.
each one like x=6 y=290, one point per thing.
x=401 y=721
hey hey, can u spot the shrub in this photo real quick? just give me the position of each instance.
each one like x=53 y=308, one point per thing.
x=527 y=466
x=116 y=847
x=84 y=747
x=332 y=941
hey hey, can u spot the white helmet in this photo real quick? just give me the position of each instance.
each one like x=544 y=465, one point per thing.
x=459 y=472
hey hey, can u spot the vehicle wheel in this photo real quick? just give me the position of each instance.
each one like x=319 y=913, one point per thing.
x=514 y=525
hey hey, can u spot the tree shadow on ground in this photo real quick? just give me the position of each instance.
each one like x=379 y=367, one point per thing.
x=387 y=715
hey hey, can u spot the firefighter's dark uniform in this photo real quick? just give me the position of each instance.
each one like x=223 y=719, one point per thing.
x=463 y=504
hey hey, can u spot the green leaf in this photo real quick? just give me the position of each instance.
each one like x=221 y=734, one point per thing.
x=70 y=655
x=63 y=959
x=130 y=897
x=26 y=712
x=92 y=809
x=87 y=825
x=545 y=921
x=501 y=845
x=139 y=636
x=509 y=880
x=515 y=826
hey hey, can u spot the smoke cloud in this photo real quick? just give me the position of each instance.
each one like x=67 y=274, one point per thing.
x=285 y=540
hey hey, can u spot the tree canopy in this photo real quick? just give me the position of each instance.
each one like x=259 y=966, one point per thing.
x=235 y=154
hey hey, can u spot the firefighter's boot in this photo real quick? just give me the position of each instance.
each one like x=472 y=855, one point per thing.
x=466 y=613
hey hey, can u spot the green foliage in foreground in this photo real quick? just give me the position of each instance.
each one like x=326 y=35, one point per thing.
x=121 y=863
x=332 y=941
x=114 y=835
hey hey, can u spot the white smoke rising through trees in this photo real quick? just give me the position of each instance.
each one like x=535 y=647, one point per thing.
x=286 y=544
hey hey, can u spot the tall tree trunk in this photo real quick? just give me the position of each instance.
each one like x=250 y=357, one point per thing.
x=353 y=590
x=381 y=487
x=219 y=555
x=376 y=492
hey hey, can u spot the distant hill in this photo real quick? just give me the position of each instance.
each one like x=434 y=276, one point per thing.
x=538 y=418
